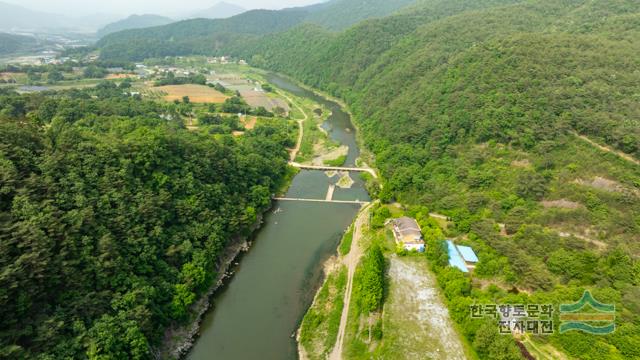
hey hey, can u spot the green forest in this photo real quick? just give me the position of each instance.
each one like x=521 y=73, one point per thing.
x=519 y=120
x=113 y=218
x=479 y=110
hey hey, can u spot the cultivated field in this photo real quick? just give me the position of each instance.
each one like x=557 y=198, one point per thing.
x=120 y=76
x=258 y=98
x=196 y=93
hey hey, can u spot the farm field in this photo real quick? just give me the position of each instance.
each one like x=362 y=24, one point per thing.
x=120 y=76
x=247 y=89
x=196 y=93
x=258 y=98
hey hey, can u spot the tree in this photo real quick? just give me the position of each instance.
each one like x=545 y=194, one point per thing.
x=94 y=72
x=55 y=76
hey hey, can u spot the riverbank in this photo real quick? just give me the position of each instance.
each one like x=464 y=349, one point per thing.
x=277 y=280
x=322 y=329
x=364 y=153
x=179 y=339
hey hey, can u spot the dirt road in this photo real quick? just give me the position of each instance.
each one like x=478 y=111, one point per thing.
x=608 y=149
x=351 y=262
x=294 y=152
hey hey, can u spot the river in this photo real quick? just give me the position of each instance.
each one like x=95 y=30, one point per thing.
x=256 y=313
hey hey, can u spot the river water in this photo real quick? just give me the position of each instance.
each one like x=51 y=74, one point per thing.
x=257 y=313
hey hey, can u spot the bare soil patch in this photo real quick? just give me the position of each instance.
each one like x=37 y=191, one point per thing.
x=415 y=316
x=249 y=122
x=604 y=184
x=562 y=203
x=330 y=155
x=120 y=76
x=196 y=93
x=524 y=163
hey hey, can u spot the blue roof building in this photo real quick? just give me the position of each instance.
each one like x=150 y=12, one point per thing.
x=467 y=254
x=455 y=259
x=461 y=257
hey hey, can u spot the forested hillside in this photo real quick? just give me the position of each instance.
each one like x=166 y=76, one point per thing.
x=112 y=218
x=341 y=14
x=10 y=43
x=473 y=108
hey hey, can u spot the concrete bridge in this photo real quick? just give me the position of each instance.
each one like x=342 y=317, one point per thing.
x=335 y=168
x=323 y=200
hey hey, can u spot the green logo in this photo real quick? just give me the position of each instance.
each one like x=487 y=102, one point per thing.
x=596 y=318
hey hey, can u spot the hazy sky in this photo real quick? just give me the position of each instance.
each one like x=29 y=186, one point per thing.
x=162 y=7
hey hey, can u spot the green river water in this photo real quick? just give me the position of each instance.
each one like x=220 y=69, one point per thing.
x=256 y=314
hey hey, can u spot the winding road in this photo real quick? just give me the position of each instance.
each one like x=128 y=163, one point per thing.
x=294 y=152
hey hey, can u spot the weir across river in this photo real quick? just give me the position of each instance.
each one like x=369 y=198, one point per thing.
x=334 y=168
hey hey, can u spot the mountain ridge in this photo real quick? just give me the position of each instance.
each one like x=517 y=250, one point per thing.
x=134 y=22
x=221 y=10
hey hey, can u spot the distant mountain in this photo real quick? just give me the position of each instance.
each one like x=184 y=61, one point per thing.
x=221 y=10
x=134 y=22
x=15 y=17
x=204 y=36
x=10 y=43
x=18 y=18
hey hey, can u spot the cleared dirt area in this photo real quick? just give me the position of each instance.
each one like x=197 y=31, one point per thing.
x=525 y=164
x=604 y=184
x=196 y=93
x=330 y=155
x=416 y=321
x=120 y=76
x=562 y=203
x=249 y=122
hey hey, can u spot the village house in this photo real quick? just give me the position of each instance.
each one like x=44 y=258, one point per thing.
x=408 y=234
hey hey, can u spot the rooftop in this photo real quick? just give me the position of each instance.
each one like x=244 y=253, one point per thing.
x=467 y=254
x=455 y=259
x=407 y=226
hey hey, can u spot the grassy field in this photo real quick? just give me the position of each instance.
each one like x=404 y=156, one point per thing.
x=345 y=244
x=319 y=328
x=196 y=93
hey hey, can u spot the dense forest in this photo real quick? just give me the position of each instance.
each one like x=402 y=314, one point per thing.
x=487 y=111
x=113 y=217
